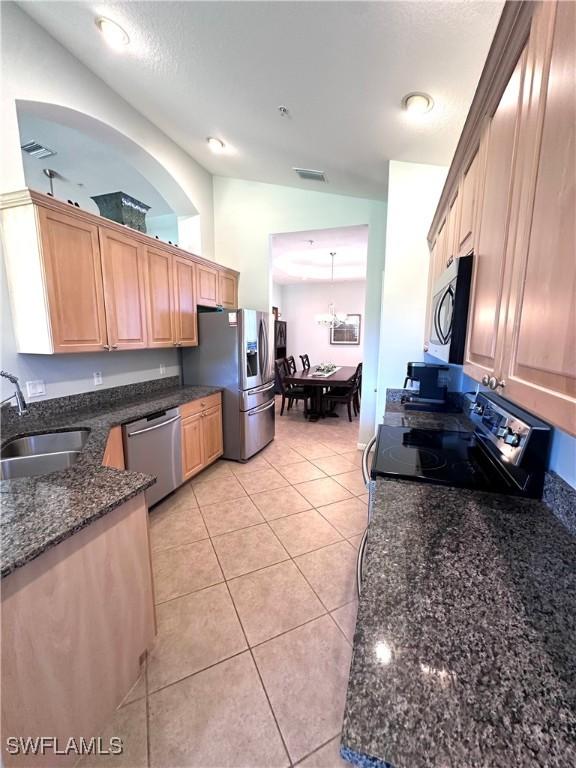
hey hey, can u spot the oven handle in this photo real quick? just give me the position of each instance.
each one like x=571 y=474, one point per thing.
x=360 y=562
x=367 y=449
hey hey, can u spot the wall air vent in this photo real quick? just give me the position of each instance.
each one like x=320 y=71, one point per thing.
x=310 y=175
x=37 y=150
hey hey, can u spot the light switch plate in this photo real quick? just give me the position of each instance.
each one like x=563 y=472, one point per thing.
x=97 y=378
x=35 y=388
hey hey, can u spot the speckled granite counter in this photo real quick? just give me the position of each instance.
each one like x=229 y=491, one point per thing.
x=39 y=512
x=465 y=645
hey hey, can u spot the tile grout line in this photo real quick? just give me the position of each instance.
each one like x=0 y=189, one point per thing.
x=256 y=667
x=326 y=611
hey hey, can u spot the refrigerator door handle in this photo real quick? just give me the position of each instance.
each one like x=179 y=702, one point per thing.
x=261 y=350
x=258 y=390
x=266 y=407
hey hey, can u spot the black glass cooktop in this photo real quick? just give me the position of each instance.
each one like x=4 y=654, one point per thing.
x=436 y=456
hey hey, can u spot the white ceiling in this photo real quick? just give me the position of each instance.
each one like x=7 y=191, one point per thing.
x=299 y=256
x=200 y=69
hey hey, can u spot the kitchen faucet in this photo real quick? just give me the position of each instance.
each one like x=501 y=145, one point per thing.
x=20 y=402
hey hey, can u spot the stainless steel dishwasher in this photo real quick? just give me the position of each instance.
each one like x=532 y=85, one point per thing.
x=153 y=445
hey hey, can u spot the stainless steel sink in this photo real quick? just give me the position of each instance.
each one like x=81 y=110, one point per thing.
x=31 y=466
x=51 y=442
x=40 y=454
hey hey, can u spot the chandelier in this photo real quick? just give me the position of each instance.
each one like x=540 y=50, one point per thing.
x=331 y=319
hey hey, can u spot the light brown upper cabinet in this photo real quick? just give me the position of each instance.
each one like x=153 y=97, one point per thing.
x=498 y=153
x=123 y=265
x=185 y=312
x=451 y=230
x=539 y=361
x=468 y=199
x=228 y=290
x=80 y=283
x=207 y=285
x=160 y=297
x=71 y=260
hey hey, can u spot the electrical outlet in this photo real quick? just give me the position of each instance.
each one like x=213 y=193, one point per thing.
x=97 y=378
x=35 y=388
x=162 y=369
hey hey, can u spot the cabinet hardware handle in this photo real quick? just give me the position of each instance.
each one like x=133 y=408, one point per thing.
x=486 y=380
x=106 y=346
x=114 y=346
x=502 y=383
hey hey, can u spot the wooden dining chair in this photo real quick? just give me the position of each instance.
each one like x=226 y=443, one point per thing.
x=358 y=394
x=291 y=364
x=288 y=391
x=305 y=362
x=342 y=394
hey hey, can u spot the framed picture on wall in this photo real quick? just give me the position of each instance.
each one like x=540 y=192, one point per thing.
x=348 y=332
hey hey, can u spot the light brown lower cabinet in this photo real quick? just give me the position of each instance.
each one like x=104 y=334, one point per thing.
x=202 y=441
x=212 y=434
x=192 y=446
x=114 y=452
x=76 y=623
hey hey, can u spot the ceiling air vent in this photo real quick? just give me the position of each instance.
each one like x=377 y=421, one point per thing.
x=37 y=150
x=309 y=175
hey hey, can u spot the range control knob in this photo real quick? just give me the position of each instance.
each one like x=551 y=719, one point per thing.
x=479 y=409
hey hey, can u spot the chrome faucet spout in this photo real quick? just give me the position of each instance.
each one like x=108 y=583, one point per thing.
x=20 y=401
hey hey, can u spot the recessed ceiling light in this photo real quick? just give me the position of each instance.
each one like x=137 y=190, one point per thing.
x=417 y=103
x=113 y=33
x=216 y=145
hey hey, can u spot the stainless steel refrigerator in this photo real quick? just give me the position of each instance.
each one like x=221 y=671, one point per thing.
x=236 y=351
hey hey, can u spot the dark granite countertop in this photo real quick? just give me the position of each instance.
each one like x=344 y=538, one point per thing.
x=465 y=644
x=39 y=512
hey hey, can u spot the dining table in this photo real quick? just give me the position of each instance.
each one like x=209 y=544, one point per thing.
x=340 y=377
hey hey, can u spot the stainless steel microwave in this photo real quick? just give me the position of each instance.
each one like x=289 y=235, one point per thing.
x=449 y=308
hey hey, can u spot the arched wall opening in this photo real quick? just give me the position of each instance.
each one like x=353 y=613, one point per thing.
x=94 y=158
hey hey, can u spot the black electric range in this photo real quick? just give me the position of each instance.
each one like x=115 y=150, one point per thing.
x=506 y=453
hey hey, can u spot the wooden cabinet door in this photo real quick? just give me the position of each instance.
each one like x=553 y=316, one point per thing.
x=192 y=445
x=159 y=298
x=185 y=312
x=207 y=285
x=487 y=304
x=228 y=290
x=440 y=252
x=114 y=452
x=212 y=434
x=468 y=200
x=540 y=368
x=123 y=270
x=451 y=230
x=73 y=272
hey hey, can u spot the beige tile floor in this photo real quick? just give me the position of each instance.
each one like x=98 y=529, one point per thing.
x=254 y=569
